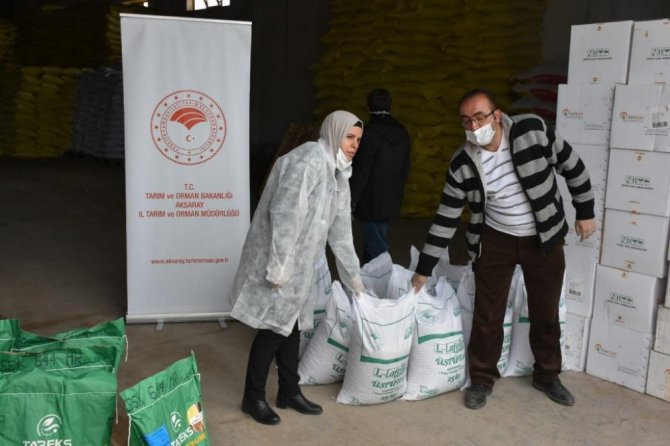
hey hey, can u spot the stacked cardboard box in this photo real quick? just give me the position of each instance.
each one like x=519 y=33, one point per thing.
x=599 y=55
x=650 y=68
x=630 y=280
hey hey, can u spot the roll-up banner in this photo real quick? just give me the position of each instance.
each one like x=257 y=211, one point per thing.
x=186 y=100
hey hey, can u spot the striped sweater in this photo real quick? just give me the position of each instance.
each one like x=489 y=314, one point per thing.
x=537 y=154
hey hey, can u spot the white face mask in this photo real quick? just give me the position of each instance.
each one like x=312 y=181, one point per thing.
x=482 y=136
x=342 y=162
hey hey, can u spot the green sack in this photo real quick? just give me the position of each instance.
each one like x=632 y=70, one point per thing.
x=42 y=408
x=111 y=334
x=9 y=331
x=166 y=408
x=66 y=361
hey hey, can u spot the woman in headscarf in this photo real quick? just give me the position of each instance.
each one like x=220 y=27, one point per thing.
x=306 y=203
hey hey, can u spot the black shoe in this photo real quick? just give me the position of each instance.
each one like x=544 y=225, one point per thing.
x=260 y=411
x=475 y=396
x=299 y=403
x=556 y=392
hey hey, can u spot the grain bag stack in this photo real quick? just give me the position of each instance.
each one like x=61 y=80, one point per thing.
x=54 y=43
x=8 y=83
x=43 y=116
x=113 y=29
x=599 y=56
x=423 y=53
x=630 y=280
x=98 y=119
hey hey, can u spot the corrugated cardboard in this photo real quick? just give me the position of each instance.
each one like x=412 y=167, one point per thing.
x=627 y=299
x=639 y=181
x=599 y=53
x=650 y=53
x=641 y=118
x=576 y=335
x=618 y=355
x=635 y=242
x=658 y=378
x=579 y=285
x=662 y=342
x=584 y=113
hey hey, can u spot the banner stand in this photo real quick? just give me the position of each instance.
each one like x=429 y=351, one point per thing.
x=186 y=86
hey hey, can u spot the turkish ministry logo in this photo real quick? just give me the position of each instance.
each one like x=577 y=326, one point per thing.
x=188 y=127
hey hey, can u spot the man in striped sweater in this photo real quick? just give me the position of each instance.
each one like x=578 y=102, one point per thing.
x=505 y=172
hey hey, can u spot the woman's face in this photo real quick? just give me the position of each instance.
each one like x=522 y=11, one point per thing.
x=350 y=142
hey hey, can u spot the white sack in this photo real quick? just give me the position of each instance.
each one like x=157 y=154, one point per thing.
x=521 y=359
x=379 y=350
x=321 y=291
x=437 y=358
x=466 y=298
x=453 y=273
x=376 y=274
x=325 y=359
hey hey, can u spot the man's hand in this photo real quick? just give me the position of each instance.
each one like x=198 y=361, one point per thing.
x=418 y=281
x=585 y=228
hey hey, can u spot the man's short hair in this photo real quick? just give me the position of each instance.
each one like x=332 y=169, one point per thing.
x=479 y=92
x=379 y=99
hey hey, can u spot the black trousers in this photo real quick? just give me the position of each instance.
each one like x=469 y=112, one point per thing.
x=543 y=275
x=267 y=345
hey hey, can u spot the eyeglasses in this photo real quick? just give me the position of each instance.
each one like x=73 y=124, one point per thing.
x=479 y=118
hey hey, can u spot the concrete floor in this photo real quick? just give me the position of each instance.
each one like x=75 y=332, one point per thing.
x=62 y=266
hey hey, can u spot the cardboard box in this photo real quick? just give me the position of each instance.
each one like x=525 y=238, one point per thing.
x=579 y=285
x=576 y=335
x=658 y=377
x=575 y=248
x=627 y=299
x=596 y=159
x=639 y=181
x=584 y=113
x=662 y=342
x=641 y=118
x=650 y=53
x=635 y=242
x=618 y=355
x=599 y=53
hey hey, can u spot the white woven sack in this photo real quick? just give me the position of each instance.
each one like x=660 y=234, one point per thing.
x=320 y=293
x=453 y=273
x=437 y=358
x=379 y=350
x=466 y=298
x=521 y=359
x=399 y=283
x=376 y=274
x=325 y=359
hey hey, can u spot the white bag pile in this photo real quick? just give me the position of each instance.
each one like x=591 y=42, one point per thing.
x=379 y=350
x=391 y=342
x=437 y=359
x=321 y=291
x=325 y=358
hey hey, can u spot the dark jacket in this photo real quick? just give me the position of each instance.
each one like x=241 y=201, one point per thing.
x=380 y=169
x=537 y=155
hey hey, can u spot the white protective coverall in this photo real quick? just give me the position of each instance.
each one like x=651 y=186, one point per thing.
x=305 y=203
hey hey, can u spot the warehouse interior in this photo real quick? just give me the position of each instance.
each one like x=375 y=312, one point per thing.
x=62 y=185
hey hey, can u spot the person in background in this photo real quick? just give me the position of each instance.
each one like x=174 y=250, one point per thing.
x=506 y=172
x=380 y=172
x=305 y=204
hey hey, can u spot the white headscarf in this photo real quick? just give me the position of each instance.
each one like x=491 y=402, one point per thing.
x=335 y=126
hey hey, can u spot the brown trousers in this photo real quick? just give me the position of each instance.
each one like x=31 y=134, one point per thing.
x=543 y=275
